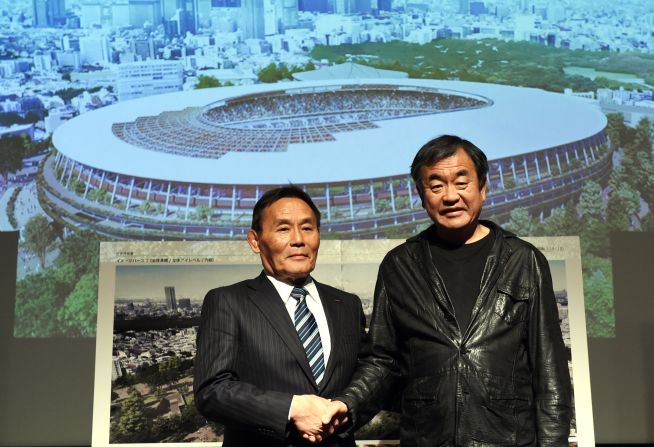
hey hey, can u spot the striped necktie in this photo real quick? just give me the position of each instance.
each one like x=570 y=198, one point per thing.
x=307 y=329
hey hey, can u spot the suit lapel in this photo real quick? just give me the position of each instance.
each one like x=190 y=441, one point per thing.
x=264 y=295
x=333 y=307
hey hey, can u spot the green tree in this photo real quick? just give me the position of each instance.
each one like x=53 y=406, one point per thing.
x=615 y=129
x=203 y=212
x=77 y=316
x=401 y=202
x=598 y=297
x=37 y=298
x=647 y=222
x=14 y=148
x=269 y=74
x=521 y=222
x=66 y=94
x=206 y=81
x=133 y=425
x=169 y=369
x=99 y=195
x=309 y=66
x=622 y=207
x=562 y=222
x=643 y=136
x=39 y=236
x=509 y=183
x=591 y=204
x=382 y=205
x=594 y=237
x=146 y=207
x=81 y=250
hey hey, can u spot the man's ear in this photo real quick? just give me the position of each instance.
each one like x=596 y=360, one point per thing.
x=253 y=240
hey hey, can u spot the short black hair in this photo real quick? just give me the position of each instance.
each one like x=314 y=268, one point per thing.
x=273 y=195
x=445 y=146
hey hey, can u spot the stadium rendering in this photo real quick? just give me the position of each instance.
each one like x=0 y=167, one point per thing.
x=191 y=165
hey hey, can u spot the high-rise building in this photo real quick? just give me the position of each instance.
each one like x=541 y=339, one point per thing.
x=324 y=6
x=185 y=14
x=49 y=13
x=120 y=13
x=384 y=5
x=272 y=17
x=144 y=11
x=170 y=7
x=171 y=300
x=477 y=8
x=289 y=14
x=185 y=303
x=94 y=50
x=116 y=370
x=464 y=6
x=70 y=42
x=91 y=13
x=143 y=48
x=362 y=6
x=148 y=78
x=253 y=19
x=555 y=12
x=527 y=6
x=225 y=3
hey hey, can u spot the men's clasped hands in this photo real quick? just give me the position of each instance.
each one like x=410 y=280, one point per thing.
x=317 y=418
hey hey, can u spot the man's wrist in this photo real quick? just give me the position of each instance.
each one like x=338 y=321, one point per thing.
x=293 y=406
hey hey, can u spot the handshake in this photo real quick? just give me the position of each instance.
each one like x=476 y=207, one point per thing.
x=317 y=418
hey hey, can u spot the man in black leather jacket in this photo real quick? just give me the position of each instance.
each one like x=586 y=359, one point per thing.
x=466 y=320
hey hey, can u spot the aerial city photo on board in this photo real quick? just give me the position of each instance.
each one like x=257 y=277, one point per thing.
x=167 y=120
x=155 y=315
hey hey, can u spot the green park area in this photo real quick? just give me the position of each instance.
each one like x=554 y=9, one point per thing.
x=495 y=61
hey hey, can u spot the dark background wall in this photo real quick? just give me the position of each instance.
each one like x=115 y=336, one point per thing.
x=46 y=385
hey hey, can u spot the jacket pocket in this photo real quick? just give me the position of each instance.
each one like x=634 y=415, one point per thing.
x=426 y=418
x=512 y=303
x=504 y=420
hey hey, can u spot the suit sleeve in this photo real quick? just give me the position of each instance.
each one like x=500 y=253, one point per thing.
x=219 y=394
x=549 y=363
x=377 y=368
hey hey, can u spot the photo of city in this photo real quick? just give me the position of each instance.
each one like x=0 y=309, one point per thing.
x=167 y=119
x=156 y=314
x=156 y=311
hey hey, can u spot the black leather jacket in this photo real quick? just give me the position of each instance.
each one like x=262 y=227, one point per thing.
x=503 y=381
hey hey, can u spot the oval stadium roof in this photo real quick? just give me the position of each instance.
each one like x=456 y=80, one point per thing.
x=518 y=120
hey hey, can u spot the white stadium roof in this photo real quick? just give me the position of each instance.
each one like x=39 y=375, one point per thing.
x=519 y=120
x=348 y=70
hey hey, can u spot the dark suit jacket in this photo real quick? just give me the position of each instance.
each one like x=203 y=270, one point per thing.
x=250 y=361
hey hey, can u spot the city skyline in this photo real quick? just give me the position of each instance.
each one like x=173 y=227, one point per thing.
x=189 y=281
x=194 y=281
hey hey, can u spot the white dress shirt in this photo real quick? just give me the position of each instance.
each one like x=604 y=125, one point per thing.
x=313 y=303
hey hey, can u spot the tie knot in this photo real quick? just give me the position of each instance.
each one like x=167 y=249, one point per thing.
x=298 y=293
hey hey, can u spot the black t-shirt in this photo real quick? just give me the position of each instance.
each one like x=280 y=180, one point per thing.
x=461 y=266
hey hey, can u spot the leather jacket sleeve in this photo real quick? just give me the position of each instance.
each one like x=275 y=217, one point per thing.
x=549 y=363
x=377 y=370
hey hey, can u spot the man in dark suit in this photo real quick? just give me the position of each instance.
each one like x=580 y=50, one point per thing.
x=266 y=345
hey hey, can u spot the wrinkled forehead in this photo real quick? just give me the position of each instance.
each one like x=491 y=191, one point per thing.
x=288 y=209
